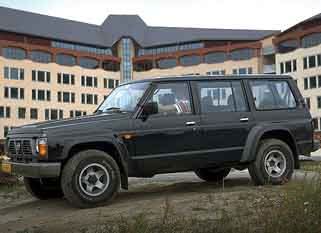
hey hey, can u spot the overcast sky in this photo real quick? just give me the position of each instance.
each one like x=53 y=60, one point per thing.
x=242 y=14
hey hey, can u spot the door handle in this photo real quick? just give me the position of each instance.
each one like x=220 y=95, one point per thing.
x=190 y=123
x=244 y=119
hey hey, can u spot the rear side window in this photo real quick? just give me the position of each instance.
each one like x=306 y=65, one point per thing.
x=221 y=96
x=274 y=94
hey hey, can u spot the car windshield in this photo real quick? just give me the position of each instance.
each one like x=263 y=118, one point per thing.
x=124 y=98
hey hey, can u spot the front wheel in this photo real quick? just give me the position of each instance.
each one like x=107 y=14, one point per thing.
x=43 y=188
x=274 y=163
x=212 y=174
x=90 y=178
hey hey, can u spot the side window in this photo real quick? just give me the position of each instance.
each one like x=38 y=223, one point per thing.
x=221 y=96
x=172 y=99
x=272 y=95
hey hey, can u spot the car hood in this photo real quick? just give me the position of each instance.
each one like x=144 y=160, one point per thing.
x=68 y=124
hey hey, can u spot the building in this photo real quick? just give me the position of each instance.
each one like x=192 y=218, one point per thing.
x=298 y=53
x=53 y=68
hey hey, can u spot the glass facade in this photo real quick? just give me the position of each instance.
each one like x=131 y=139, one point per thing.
x=127 y=49
x=311 y=40
x=65 y=60
x=170 y=49
x=40 y=56
x=215 y=57
x=242 y=54
x=14 y=53
x=88 y=63
x=190 y=60
x=167 y=63
x=81 y=48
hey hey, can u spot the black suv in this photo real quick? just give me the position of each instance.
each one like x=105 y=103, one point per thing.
x=204 y=124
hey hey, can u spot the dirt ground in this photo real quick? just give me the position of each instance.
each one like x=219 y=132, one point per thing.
x=182 y=192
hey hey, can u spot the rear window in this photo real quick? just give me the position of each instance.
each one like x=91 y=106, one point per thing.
x=272 y=94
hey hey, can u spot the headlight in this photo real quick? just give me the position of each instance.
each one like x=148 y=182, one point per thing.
x=42 y=147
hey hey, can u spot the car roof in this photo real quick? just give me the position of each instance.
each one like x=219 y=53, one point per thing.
x=210 y=77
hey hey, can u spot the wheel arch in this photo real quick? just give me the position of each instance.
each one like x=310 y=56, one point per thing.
x=261 y=133
x=117 y=153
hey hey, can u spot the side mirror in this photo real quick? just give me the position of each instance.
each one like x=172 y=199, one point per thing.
x=149 y=109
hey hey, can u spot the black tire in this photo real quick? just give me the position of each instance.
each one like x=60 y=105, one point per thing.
x=213 y=175
x=258 y=169
x=44 y=188
x=75 y=191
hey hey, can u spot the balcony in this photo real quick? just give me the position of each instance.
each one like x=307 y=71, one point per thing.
x=269 y=69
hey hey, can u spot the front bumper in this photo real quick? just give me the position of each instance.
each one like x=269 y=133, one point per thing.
x=35 y=170
x=316 y=145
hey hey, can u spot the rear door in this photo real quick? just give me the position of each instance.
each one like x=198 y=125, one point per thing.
x=225 y=119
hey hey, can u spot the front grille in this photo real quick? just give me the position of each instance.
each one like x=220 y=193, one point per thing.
x=20 y=147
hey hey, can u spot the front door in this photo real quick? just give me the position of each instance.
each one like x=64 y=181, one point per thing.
x=166 y=141
x=225 y=119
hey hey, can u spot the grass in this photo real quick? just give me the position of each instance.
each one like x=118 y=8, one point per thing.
x=296 y=208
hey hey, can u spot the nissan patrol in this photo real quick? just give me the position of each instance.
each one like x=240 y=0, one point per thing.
x=204 y=124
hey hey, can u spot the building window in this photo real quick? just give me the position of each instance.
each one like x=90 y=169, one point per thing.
x=14 y=73
x=53 y=114
x=190 y=60
x=21 y=113
x=288 y=46
x=68 y=79
x=311 y=40
x=41 y=95
x=65 y=60
x=111 y=66
x=313 y=82
x=4 y=112
x=215 y=57
x=88 y=81
x=40 y=56
x=89 y=99
x=312 y=62
x=14 y=93
x=242 y=54
x=216 y=72
x=305 y=63
x=111 y=83
x=34 y=113
x=170 y=49
x=88 y=63
x=319 y=81
x=306 y=83
x=14 y=53
x=166 y=63
x=77 y=113
x=82 y=48
x=5 y=131
x=40 y=76
x=243 y=71
x=281 y=67
x=127 y=48
x=315 y=123
x=66 y=97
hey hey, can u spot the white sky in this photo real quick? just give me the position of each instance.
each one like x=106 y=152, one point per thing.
x=240 y=14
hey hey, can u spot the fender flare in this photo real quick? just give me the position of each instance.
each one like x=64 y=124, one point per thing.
x=116 y=142
x=254 y=137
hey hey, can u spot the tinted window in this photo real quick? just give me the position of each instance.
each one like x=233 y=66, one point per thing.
x=40 y=56
x=89 y=63
x=66 y=60
x=167 y=63
x=313 y=82
x=272 y=95
x=221 y=96
x=190 y=60
x=288 y=46
x=172 y=98
x=311 y=40
x=216 y=57
x=14 y=53
x=242 y=54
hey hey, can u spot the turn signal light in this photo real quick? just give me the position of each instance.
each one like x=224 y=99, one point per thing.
x=42 y=147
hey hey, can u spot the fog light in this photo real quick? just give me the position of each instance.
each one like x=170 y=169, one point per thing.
x=42 y=147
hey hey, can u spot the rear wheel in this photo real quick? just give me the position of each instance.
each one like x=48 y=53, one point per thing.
x=212 y=174
x=274 y=163
x=43 y=188
x=90 y=178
